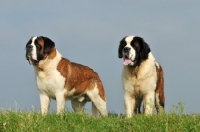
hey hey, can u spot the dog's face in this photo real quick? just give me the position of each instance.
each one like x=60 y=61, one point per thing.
x=38 y=49
x=133 y=50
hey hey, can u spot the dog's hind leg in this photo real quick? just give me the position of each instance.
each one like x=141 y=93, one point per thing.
x=137 y=106
x=159 y=92
x=78 y=106
x=95 y=111
x=97 y=97
x=158 y=104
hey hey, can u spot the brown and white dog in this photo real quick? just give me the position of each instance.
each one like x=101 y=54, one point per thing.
x=142 y=77
x=58 y=78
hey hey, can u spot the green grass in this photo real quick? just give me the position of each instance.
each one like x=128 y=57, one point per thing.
x=23 y=121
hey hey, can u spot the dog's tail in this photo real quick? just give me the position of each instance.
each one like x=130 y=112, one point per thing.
x=159 y=92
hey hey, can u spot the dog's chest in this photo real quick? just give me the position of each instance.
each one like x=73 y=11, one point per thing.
x=138 y=86
x=133 y=85
x=50 y=83
x=141 y=80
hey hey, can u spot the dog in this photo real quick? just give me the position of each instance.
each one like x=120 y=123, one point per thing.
x=142 y=77
x=58 y=78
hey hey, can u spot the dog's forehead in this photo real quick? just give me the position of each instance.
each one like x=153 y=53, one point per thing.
x=128 y=39
x=32 y=40
x=37 y=40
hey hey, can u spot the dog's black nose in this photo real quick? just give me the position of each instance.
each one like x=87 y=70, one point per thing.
x=127 y=49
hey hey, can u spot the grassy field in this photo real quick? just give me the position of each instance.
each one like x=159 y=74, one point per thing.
x=22 y=121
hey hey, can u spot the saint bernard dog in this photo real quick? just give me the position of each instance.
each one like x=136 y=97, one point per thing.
x=142 y=77
x=58 y=78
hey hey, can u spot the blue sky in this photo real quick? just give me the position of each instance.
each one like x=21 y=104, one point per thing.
x=89 y=33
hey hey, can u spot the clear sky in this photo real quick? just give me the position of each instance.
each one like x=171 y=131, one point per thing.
x=88 y=32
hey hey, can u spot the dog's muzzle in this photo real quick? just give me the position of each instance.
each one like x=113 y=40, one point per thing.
x=126 y=49
x=29 y=49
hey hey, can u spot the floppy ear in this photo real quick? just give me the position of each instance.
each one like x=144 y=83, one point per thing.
x=144 y=50
x=121 y=46
x=142 y=47
x=48 y=44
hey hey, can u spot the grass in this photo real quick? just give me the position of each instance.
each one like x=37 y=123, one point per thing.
x=23 y=121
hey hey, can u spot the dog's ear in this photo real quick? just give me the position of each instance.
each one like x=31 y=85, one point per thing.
x=145 y=50
x=121 y=46
x=142 y=47
x=48 y=44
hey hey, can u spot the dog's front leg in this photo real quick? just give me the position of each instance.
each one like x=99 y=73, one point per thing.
x=129 y=104
x=60 y=100
x=44 y=103
x=149 y=100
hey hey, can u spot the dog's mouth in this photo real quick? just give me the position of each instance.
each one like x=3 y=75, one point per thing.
x=127 y=61
x=32 y=61
x=35 y=62
x=126 y=57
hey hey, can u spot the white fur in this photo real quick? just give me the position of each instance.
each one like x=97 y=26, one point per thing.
x=157 y=64
x=50 y=84
x=98 y=102
x=157 y=99
x=81 y=98
x=160 y=109
x=70 y=93
x=132 y=52
x=141 y=87
x=129 y=39
x=34 y=54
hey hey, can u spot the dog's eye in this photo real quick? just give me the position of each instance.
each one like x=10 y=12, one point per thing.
x=38 y=46
x=134 y=47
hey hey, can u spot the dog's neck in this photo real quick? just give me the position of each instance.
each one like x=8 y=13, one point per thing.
x=49 y=63
x=144 y=67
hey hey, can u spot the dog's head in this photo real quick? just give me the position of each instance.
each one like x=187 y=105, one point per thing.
x=133 y=50
x=38 y=48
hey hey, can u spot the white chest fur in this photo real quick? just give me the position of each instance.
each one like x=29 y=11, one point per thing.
x=143 y=81
x=50 y=83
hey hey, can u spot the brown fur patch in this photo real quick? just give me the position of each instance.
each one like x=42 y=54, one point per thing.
x=51 y=54
x=80 y=77
x=160 y=85
x=41 y=42
x=101 y=90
